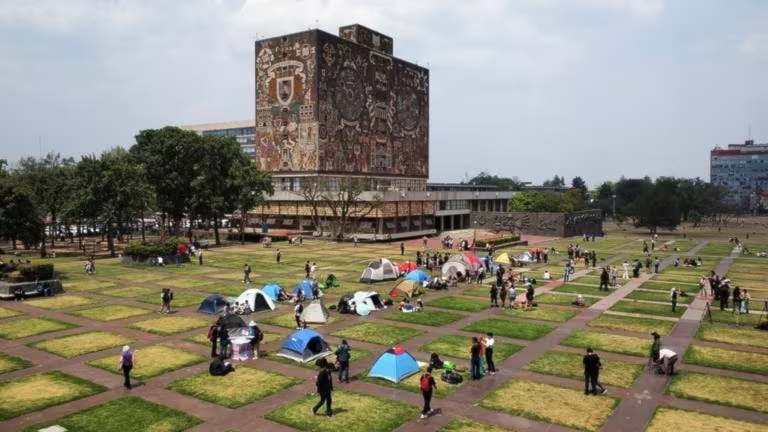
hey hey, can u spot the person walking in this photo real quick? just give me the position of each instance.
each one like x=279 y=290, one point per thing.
x=604 y=277
x=656 y=264
x=126 y=364
x=502 y=296
x=673 y=297
x=313 y=271
x=402 y=248
x=354 y=240
x=200 y=257
x=648 y=263
x=246 y=274
x=306 y=269
x=494 y=295
x=297 y=310
x=489 y=343
x=278 y=256
x=343 y=356
x=213 y=337
x=625 y=275
x=324 y=385
x=427 y=385
x=567 y=271
x=474 y=353
x=592 y=367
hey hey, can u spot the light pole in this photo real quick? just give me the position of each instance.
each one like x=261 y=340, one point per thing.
x=614 y=207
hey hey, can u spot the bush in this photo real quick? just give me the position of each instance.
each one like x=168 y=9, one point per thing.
x=498 y=240
x=253 y=237
x=153 y=249
x=33 y=272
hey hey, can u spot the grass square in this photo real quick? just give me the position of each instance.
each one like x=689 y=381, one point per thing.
x=7 y=313
x=460 y=424
x=30 y=327
x=563 y=299
x=182 y=283
x=458 y=347
x=9 y=363
x=61 y=302
x=691 y=289
x=169 y=325
x=386 y=414
x=36 y=392
x=609 y=342
x=86 y=284
x=636 y=307
x=128 y=414
x=569 y=365
x=564 y=406
x=721 y=390
x=459 y=303
x=657 y=296
x=241 y=387
x=289 y=321
x=672 y=419
x=226 y=290
x=577 y=288
x=180 y=299
x=413 y=383
x=751 y=362
x=111 y=312
x=151 y=361
x=129 y=292
x=381 y=334
x=141 y=276
x=84 y=343
x=633 y=324
x=728 y=334
x=510 y=329
x=543 y=313
x=427 y=317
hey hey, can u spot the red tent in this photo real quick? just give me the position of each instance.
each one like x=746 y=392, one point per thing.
x=405 y=267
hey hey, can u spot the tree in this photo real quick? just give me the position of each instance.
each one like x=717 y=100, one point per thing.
x=503 y=183
x=578 y=183
x=19 y=218
x=312 y=191
x=556 y=181
x=603 y=198
x=627 y=192
x=658 y=206
x=532 y=201
x=250 y=187
x=348 y=202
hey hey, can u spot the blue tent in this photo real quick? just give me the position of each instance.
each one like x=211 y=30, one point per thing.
x=418 y=276
x=213 y=304
x=272 y=290
x=394 y=365
x=304 y=346
x=304 y=286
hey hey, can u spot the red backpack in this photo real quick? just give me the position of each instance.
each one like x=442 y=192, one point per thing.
x=425 y=384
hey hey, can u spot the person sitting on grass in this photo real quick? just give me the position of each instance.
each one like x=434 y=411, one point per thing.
x=407 y=307
x=547 y=275
x=579 y=301
x=219 y=367
x=419 y=306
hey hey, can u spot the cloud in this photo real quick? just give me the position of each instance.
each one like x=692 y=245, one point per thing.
x=755 y=47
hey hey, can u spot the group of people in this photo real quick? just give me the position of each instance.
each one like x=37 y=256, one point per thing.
x=720 y=291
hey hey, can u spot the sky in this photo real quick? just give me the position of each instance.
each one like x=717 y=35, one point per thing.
x=527 y=88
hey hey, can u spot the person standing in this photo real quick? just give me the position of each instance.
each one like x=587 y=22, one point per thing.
x=324 y=385
x=343 y=356
x=655 y=348
x=503 y=296
x=402 y=248
x=745 y=297
x=126 y=364
x=656 y=264
x=625 y=275
x=673 y=297
x=489 y=343
x=474 y=353
x=256 y=337
x=297 y=310
x=424 y=242
x=306 y=269
x=213 y=337
x=567 y=271
x=313 y=270
x=169 y=299
x=223 y=334
x=725 y=291
x=648 y=263
x=592 y=367
x=737 y=299
x=604 y=276
x=246 y=274
x=427 y=385
x=278 y=256
x=594 y=259
x=354 y=240
x=494 y=295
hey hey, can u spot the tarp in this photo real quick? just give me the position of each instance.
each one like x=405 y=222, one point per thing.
x=256 y=299
x=406 y=288
x=272 y=291
x=304 y=286
x=394 y=365
x=213 y=304
x=315 y=313
x=405 y=267
x=304 y=346
x=504 y=259
x=418 y=276
x=379 y=270
x=525 y=257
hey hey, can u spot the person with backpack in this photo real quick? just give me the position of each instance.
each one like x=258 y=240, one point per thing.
x=213 y=337
x=427 y=385
x=324 y=385
x=343 y=356
x=126 y=364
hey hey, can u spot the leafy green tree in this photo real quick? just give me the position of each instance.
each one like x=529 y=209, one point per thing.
x=658 y=207
x=578 y=183
x=534 y=201
x=556 y=181
x=19 y=218
x=503 y=183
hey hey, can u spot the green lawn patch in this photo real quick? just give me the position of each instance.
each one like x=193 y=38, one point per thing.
x=633 y=324
x=128 y=414
x=636 y=307
x=721 y=390
x=30 y=327
x=141 y=276
x=86 y=284
x=459 y=303
x=386 y=414
x=169 y=325
x=84 y=343
x=412 y=383
x=460 y=424
x=671 y=419
x=732 y=335
x=226 y=290
x=458 y=347
x=180 y=299
x=129 y=292
x=728 y=317
x=658 y=296
x=609 y=342
x=151 y=361
x=61 y=302
x=552 y=404
x=111 y=312
x=182 y=283
x=543 y=313
x=9 y=363
x=427 y=317
x=592 y=290
x=244 y=386
x=381 y=334
x=727 y=359
x=510 y=329
x=289 y=321
x=563 y=299
x=36 y=392
x=7 y=313
x=690 y=288
x=569 y=365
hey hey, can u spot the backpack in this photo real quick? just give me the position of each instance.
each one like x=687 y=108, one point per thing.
x=212 y=333
x=425 y=384
x=170 y=295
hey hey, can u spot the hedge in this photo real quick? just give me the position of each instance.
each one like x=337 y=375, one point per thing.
x=153 y=249
x=498 y=240
x=33 y=272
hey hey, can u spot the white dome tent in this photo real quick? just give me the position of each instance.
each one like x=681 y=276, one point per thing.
x=380 y=270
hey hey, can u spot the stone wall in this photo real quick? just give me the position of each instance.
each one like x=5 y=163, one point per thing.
x=547 y=224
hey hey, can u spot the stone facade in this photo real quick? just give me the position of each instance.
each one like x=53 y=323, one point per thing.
x=547 y=224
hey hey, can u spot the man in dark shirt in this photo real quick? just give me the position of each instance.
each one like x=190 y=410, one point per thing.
x=475 y=358
x=324 y=384
x=604 y=277
x=592 y=367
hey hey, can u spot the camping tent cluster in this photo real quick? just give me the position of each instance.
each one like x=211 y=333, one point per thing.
x=462 y=264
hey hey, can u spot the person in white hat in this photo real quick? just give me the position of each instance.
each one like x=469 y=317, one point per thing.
x=256 y=337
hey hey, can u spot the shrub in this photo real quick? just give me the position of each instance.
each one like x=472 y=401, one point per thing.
x=153 y=249
x=498 y=240
x=33 y=272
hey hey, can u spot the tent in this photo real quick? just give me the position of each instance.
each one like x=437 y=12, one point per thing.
x=474 y=260
x=304 y=286
x=315 y=313
x=405 y=267
x=407 y=288
x=525 y=257
x=394 y=365
x=256 y=299
x=418 y=276
x=213 y=304
x=343 y=306
x=231 y=322
x=380 y=270
x=504 y=259
x=272 y=291
x=454 y=268
x=371 y=299
x=304 y=346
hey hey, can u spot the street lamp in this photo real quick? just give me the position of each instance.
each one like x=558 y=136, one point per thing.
x=474 y=233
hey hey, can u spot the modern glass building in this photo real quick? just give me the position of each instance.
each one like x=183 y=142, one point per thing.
x=244 y=132
x=743 y=170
